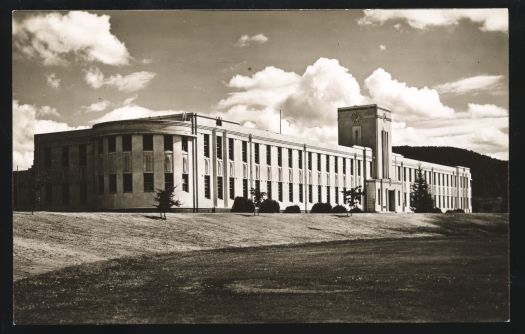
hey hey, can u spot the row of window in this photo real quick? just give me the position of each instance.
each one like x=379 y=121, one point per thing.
x=439 y=179
x=257 y=149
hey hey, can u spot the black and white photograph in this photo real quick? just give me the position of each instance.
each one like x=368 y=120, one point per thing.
x=260 y=166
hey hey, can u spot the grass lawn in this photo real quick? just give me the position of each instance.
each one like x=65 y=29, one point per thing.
x=423 y=268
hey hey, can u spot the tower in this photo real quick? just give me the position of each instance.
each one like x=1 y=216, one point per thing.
x=370 y=126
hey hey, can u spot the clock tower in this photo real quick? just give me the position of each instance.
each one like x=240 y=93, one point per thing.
x=369 y=126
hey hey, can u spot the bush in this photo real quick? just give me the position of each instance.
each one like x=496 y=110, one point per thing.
x=338 y=209
x=292 y=209
x=321 y=208
x=241 y=204
x=269 y=206
x=456 y=211
x=356 y=210
x=436 y=210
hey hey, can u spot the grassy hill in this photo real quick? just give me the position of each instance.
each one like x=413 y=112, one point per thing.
x=489 y=175
x=48 y=241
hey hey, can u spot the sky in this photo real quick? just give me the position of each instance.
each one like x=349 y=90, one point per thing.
x=442 y=73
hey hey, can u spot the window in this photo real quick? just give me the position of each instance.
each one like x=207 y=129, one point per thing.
x=351 y=166
x=147 y=142
x=328 y=194
x=344 y=166
x=244 y=151
x=327 y=160
x=206 y=145
x=337 y=195
x=49 y=193
x=300 y=158
x=319 y=197
x=126 y=162
x=232 y=188
x=279 y=156
x=126 y=143
x=185 y=183
x=269 y=189
x=101 y=184
x=82 y=155
x=319 y=161
x=379 y=196
x=290 y=192
x=245 y=188
x=370 y=169
x=112 y=183
x=148 y=182
x=112 y=144
x=300 y=193
x=268 y=155
x=168 y=162
x=65 y=156
x=220 y=190
x=404 y=174
x=148 y=162
x=359 y=168
x=256 y=153
x=100 y=146
x=128 y=183
x=184 y=143
x=258 y=185
x=168 y=143
x=207 y=189
x=280 y=190
x=310 y=194
x=336 y=164
x=399 y=173
x=47 y=157
x=65 y=193
x=219 y=147
x=290 y=157
x=168 y=180
x=231 y=149
x=309 y=160
x=405 y=200
x=398 y=197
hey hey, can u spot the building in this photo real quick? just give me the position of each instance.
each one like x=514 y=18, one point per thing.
x=118 y=165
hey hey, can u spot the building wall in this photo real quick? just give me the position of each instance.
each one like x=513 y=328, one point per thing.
x=324 y=181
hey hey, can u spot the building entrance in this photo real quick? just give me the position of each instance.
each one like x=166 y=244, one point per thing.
x=392 y=200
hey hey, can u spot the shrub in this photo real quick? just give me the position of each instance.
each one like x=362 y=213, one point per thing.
x=436 y=210
x=456 y=211
x=338 y=209
x=356 y=210
x=241 y=204
x=269 y=206
x=321 y=208
x=292 y=209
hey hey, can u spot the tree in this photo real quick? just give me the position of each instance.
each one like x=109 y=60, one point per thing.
x=352 y=197
x=420 y=197
x=164 y=200
x=258 y=198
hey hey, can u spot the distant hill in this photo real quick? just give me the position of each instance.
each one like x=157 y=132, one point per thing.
x=489 y=175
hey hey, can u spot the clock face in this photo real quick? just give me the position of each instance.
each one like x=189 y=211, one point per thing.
x=356 y=117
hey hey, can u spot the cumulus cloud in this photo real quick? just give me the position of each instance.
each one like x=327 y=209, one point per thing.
x=246 y=40
x=307 y=100
x=473 y=84
x=124 y=83
x=130 y=100
x=97 y=106
x=47 y=111
x=53 y=37
x=25 y=125
x=493 y=19
x=408 y=102
x=131 y=112
x=486 y=110
x=52 y=80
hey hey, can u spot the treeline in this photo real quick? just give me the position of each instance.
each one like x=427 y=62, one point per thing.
x=489 y=175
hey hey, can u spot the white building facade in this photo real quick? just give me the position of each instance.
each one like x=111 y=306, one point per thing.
x=118 y=165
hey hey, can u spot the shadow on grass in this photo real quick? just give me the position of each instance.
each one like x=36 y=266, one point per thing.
x=154 y=217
